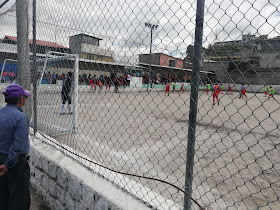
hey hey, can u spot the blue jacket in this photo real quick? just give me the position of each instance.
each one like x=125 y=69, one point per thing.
x=14 y=130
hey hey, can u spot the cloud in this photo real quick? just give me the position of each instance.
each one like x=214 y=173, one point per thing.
x=6 y=6
x=121 y=24
x=227 y=20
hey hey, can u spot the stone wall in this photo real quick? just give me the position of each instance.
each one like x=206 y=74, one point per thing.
x=253 y=74
x=270 y=60
x=69 y=182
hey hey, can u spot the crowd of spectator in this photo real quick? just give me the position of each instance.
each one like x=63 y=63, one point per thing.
x=9 y=76
x=88 y=79
x=164 y=78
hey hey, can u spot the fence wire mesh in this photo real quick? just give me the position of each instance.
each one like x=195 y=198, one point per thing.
x=127 y=101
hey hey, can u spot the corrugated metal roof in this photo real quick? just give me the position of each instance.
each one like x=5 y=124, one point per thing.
x=82 y=34
x=39 y=42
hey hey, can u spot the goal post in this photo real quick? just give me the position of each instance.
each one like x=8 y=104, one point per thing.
x=49 y=85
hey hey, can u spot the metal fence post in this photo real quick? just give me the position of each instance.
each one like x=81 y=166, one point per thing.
x=34 y=69
x=23 y=74
x=193 y=102
x=150 y=61
x=76 y=91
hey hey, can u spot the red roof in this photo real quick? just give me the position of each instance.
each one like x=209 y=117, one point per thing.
x=38 y=42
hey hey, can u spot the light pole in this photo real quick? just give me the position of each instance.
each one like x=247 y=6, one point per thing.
x=152 y=26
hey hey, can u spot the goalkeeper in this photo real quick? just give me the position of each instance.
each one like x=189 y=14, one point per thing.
x=66 y=94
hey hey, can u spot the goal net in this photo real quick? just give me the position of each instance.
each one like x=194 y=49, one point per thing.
x=57 y=93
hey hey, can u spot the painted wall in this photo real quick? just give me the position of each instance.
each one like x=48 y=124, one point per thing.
x=96 y=57
x=164 y=61
x=160 y=59
x=145 y=58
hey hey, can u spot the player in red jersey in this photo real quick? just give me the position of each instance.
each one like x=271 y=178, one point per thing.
x=181 y=88
x=108 y=83
x=167 y=88
x=92 y=84
x=243 y=90
x=100 y=85
x=229 y=89
x=216 y=91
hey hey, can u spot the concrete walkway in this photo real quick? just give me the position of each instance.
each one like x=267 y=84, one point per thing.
x=37 y=202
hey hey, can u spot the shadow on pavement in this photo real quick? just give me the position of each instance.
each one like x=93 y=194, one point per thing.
x=37 y=202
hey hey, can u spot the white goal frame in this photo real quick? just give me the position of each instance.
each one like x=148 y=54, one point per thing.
x=59 y=56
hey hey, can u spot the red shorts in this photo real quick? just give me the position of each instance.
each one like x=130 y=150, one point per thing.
x=215 y=96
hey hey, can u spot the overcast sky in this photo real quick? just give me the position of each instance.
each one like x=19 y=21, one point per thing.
x=6 y=6
x=121 y=24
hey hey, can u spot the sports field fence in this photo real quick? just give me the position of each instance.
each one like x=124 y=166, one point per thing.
x=143 y=79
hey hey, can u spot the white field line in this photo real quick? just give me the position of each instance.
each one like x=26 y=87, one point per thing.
x=113 y=153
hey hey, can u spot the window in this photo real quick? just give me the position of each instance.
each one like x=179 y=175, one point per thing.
x=171 y=63
x=90 y=57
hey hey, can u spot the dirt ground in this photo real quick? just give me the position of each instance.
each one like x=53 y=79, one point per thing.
x=236 y=164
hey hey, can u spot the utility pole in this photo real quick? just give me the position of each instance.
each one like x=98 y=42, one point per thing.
x=23 y=75
x=193 y=102
x=34 y=69
x=152 y=27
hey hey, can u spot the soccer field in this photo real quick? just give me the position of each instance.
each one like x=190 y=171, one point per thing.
x=237 y=142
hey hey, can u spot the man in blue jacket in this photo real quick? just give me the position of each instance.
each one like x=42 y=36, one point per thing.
x=14 y=147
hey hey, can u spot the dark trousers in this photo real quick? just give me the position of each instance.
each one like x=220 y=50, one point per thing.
x=14 y=186
x=116 y=87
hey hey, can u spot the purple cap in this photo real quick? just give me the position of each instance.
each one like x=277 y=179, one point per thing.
x=15 y=91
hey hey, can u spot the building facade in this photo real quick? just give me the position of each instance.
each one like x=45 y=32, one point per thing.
x=161 y=59
x=8 y=51
x=88 y=47
x=42 y=47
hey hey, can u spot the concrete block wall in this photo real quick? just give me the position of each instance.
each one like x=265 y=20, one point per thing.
x=63 y=190
x=65 y=184
x=68 y=182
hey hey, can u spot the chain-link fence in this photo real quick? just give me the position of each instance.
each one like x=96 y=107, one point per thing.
x=128 y=84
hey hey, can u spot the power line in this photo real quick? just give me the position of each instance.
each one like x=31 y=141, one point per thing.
x=107 y=36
